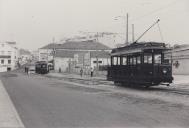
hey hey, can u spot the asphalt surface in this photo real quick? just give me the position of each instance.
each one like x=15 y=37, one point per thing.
x=44 y=102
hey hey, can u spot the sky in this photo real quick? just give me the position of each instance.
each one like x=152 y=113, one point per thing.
x=34 y=23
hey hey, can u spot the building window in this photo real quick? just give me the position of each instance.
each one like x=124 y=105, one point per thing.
x=96 y=62
x=9 y=61
x=2 y=52
x=9 y=52
x=2 y=61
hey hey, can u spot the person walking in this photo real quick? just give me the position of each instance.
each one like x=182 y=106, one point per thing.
x=92 y=71
x=27 y=70
x=81 y=72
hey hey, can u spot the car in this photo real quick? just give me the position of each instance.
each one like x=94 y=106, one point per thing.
x=31 y=69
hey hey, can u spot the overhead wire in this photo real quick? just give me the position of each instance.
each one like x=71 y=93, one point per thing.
x=157 y=10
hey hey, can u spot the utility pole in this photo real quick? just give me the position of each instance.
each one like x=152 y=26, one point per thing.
x=126 y=19
x=127 y=29
x=133 y=33
x=53 y=41
x=97 y=37
x=97 y=65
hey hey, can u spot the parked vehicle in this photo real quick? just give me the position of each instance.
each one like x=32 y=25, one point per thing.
x=50 y=66
x=31 y=69
x=140 y=64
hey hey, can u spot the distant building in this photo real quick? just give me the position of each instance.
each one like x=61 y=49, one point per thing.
x=24 y=57
x=46 y=53
x=180 y=59
x=71 y=56
x=8 y=56
x=35 y=55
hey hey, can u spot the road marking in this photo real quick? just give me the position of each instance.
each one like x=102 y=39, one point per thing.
x=9 y=117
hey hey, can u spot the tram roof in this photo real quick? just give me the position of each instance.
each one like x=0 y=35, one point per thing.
x=40 y=62
x=138 y=47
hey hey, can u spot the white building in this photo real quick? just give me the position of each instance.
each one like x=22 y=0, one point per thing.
x=35 y=55
x=46 y=53
x=180 y=59
x=8 y=56
x=24 y=56
x=72 y=56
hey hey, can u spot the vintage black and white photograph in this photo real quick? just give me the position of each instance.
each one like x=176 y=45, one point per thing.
x=94 y=63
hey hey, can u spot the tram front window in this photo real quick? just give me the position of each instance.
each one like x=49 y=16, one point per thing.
x=44 y=66
x=157 y=58
x=148 y=58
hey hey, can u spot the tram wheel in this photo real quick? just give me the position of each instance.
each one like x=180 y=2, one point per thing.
x=147 y=86
x=116 y=83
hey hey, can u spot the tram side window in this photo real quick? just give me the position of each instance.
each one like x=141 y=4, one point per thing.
x=124 y=61
x=148 y=58
x=134 y=60
x=116 y=60
x=130 y=60
x=38 y=66
x=157 y=58
x=138 y=60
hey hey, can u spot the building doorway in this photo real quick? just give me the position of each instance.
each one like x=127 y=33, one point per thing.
x=8 y=69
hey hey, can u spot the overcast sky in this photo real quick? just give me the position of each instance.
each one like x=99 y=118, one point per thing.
x=33 y=23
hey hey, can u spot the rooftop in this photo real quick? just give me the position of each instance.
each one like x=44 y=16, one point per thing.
x=79 y=45
x=139 y=47
x=70 y=54
x=24 y=52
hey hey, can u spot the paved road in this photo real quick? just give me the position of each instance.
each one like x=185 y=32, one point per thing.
x=48 y=103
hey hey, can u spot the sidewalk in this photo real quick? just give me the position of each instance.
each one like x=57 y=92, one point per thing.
x=178 y=79
x=77 y=76
x=181 y=79
x=9 y=117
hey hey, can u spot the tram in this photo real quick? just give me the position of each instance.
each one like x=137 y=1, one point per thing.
x=41 y=67
x=140 y=64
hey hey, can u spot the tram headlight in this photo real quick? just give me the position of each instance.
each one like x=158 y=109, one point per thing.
x=164 y=71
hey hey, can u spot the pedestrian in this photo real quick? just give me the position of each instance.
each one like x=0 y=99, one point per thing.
x=59 y=70
x=29 y=72
x=92 y=70
x=25 y=69
x=81 y=72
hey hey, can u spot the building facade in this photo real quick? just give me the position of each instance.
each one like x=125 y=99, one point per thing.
x=47 y=52
x=74 y=60
x=24 y=56
x=71 y=56
x=8 y=56
x=180 y=59
x=82 y=55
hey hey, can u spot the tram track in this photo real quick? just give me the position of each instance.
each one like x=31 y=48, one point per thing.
x=104 y=82
x=179 y=91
